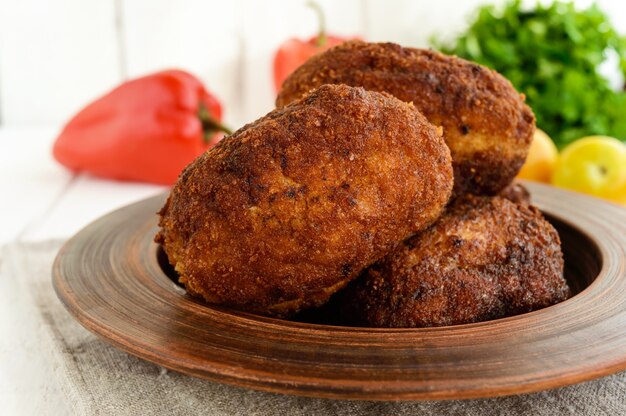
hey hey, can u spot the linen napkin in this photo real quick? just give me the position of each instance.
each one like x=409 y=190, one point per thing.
x=73 y=371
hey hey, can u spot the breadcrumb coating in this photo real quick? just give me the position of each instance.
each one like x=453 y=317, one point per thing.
x=290 y=208
x=485 y=258
x=486 y=123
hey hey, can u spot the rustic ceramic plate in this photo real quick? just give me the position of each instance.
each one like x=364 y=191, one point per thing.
x=110 y=278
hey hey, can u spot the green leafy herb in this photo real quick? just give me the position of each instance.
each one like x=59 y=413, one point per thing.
x=551 y=54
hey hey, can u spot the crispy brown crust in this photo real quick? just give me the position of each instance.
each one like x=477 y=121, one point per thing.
x=486 y=123
x=485 y=258
x=292 y=207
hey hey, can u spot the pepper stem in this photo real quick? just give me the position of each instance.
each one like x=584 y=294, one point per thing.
x=321 y=19
x=210 y=125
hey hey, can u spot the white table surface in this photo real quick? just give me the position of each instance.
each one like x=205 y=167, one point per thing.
x=41 y=200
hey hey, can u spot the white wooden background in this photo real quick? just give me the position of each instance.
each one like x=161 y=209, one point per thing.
x=56 y=55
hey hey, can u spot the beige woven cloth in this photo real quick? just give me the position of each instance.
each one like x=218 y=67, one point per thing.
x=78 y=373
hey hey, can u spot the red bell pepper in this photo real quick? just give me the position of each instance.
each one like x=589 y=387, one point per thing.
x=147 y=129
x=294 y=52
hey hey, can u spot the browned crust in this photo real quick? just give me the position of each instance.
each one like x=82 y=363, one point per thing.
x=292 y=207
x=485 y=258
x=486 y=123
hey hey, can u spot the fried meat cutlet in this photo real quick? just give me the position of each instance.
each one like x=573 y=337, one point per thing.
x=485 y=258
x=290 y=208
x=516 y=192
x=486 y=123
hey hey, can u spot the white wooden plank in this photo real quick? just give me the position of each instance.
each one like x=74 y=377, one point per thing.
x=30 y=180
x=86 y=200
x=343 y=17
x=55 y=57
x=412 y=23
x=198 y=36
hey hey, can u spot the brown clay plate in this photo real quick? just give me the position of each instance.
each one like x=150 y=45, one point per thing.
x=110 y=278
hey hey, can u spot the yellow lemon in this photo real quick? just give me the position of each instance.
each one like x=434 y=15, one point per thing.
x=542 y=157
x=595 y=165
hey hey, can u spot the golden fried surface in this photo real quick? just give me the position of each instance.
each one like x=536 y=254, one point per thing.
x=486 y=123
x=292 y=207
x=485 y=258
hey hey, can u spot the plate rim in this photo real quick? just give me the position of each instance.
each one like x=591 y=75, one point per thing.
x=313 y=387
